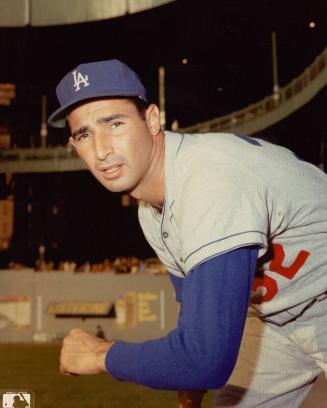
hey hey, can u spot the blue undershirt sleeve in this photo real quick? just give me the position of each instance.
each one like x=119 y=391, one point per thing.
x=202 y=351
x=178 y=286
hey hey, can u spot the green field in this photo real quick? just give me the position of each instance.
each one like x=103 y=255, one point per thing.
x=36 y=367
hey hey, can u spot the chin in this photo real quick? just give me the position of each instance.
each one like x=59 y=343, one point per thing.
x=117 y=186
x=115 y=189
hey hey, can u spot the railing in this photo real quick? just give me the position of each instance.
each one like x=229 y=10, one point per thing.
x=249 y=120
x=272 y=108
x=40 y=159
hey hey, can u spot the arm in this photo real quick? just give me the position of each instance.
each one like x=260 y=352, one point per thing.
x=201 y=352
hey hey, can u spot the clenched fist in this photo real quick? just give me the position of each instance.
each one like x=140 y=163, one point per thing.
x=82 y=353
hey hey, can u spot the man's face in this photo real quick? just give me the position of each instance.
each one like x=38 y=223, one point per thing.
x=114 y=141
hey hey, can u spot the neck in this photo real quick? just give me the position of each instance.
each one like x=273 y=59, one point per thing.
x=151 y=189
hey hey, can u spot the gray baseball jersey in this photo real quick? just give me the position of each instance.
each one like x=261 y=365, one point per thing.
x=223 y=192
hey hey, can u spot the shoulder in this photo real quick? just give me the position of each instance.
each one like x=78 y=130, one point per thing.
x=187 y=148
x=211 y=156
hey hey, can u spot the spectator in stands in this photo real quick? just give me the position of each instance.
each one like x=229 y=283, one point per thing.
x=85 y=267
x=106 y=266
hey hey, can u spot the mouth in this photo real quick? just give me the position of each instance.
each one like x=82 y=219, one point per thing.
x=110 y=172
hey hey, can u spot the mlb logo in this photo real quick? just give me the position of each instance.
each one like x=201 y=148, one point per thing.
x=17 y=399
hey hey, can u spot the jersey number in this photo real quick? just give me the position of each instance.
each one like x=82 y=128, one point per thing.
x=267 y=286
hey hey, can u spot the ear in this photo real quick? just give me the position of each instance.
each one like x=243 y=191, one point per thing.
x=71 y=141
x=152 y=117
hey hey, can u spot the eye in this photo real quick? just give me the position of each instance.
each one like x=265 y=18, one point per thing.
x=81 y=137
x=115 y=125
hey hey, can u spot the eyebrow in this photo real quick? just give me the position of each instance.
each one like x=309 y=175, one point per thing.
x=99 y=121
x=109 y=118
x=80 y=131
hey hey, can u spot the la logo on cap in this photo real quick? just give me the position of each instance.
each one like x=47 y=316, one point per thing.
x=79 y=79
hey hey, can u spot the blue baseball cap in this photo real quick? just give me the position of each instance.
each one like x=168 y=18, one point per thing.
x=94 y=80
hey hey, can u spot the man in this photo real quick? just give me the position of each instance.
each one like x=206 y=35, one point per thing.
x=19 y=403
x=225 y=214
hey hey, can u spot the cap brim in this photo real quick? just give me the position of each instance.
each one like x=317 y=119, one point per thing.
x=58 y=117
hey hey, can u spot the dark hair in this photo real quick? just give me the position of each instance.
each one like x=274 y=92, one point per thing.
x=140 y=105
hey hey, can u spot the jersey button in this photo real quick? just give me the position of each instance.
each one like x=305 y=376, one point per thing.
x=165 y=234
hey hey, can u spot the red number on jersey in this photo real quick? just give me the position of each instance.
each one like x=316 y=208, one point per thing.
x=266 y=285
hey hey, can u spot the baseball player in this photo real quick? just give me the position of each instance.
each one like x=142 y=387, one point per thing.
x=240 y=224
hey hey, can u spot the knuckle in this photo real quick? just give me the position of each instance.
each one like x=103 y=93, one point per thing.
x=62 y=360
x=75 y=331
x=65 y=342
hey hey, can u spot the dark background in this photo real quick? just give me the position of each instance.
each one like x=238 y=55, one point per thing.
x=228 y=47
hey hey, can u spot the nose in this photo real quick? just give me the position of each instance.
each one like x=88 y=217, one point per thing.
x=102 y=146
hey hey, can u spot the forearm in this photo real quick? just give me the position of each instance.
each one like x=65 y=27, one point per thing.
x=171 y=363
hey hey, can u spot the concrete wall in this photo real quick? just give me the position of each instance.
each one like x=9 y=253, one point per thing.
x=145 y=304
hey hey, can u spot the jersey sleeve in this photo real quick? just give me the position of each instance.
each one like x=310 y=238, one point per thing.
x=221 y=206
x=201 y=352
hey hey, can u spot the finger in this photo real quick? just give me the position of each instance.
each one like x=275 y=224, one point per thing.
x=62 y=371
x=68 y=373
x=76 y=331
